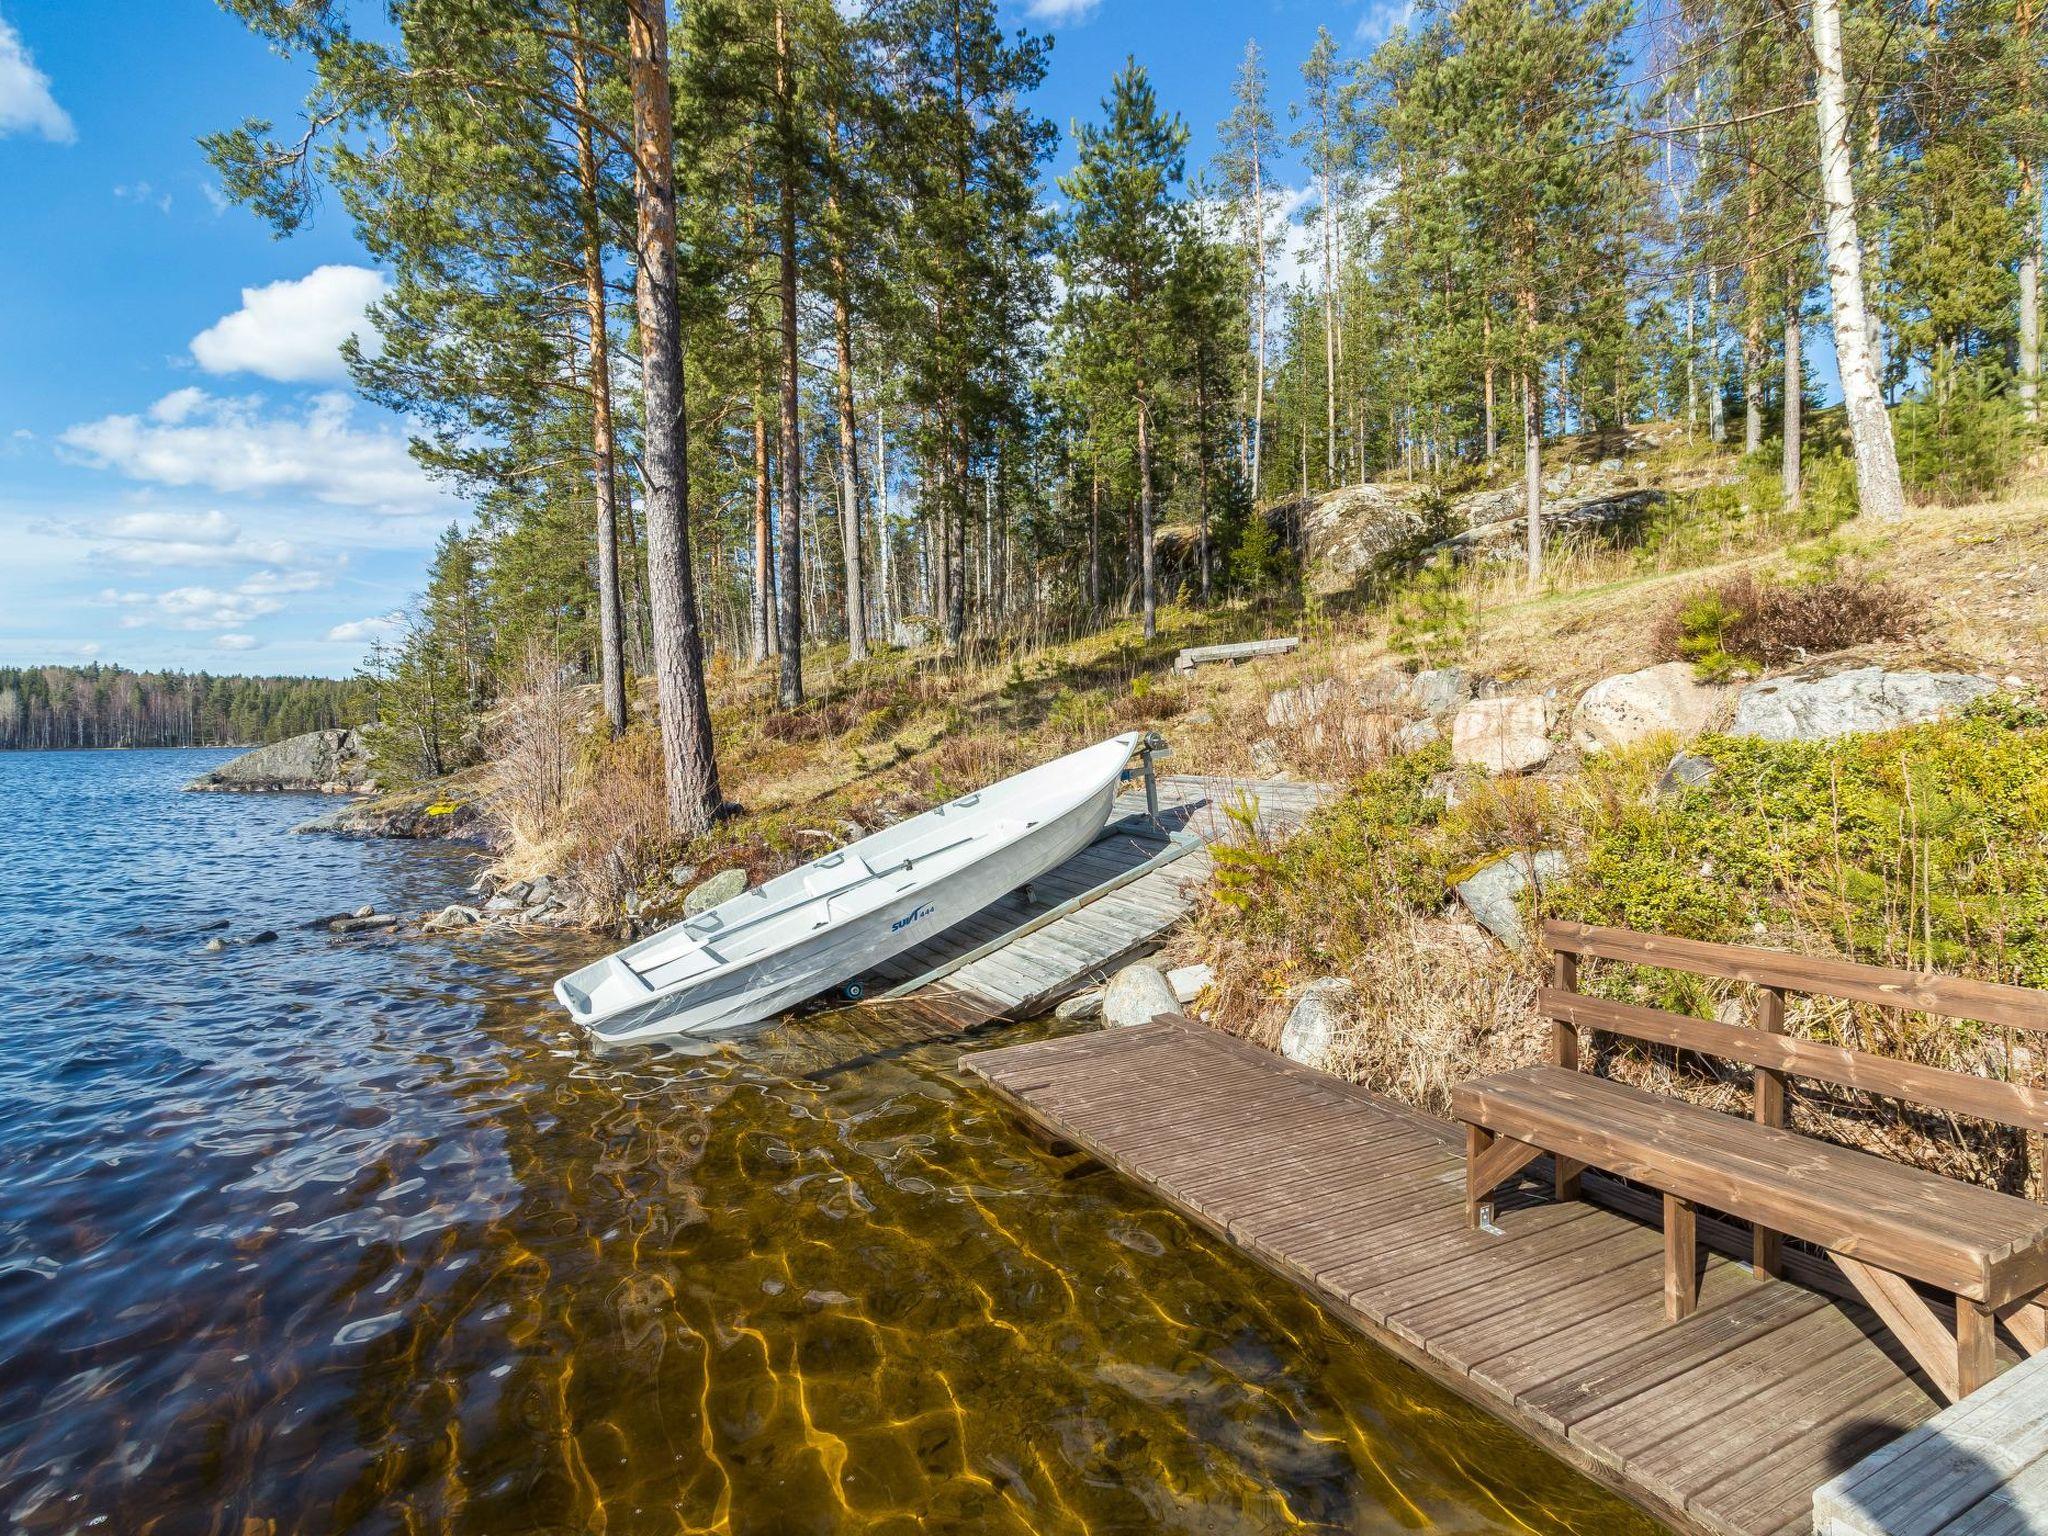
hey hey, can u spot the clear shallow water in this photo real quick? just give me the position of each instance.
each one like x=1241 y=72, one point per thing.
x=349 y=1235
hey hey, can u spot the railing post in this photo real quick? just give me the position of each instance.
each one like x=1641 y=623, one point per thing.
x=1564 y=1052
x=1765 y=1245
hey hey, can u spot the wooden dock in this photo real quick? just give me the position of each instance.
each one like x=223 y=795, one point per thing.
x=1725 y=1422
x=1110 y=904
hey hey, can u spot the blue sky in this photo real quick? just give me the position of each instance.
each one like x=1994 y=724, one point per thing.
x=185 y=480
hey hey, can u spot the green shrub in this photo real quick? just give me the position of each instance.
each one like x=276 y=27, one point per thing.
x=1962 y=438
x=1746 y=622
x=1431 y=617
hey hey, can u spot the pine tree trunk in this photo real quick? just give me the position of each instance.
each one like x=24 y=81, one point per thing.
x=849 y=433
x=1492 y=426
x=1795 y=405
x=1717 y=407
x=1878 y=489
x=885 y=596
x=1095 y=536
x=956 y=549
x=1259 y=320
x=1752 y=323
x=789 y=692
x=764 y=529
x=2030 y=293
x=1145 y=508
x=611 y=639
x=1202 y=469
x=1329 y=336
x=1532 y=474
x=688 y=759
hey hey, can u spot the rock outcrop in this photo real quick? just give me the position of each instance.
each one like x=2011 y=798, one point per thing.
x=418 y=815
x=1659 y=701
x=1818 y=704
x=319 y=762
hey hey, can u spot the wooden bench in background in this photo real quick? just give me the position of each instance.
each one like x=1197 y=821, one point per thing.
x=1885 y=1226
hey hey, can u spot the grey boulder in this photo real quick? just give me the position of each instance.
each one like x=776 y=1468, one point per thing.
x=1817 y=705
x=332 y=762
x=1319 y=1013
x=1137 y=994
x=1493 y=894
x=1658 y=701
x=716 y=891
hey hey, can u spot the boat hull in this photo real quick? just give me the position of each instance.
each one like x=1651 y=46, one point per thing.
x=914 y=911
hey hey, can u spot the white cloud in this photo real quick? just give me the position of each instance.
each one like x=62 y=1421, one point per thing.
x=142 y=192
x=190 y=607
x=1059 y=12
x=232 y=445
x=235 y=642
x=216 y=199
x=292 y=330
x=358 y=631
x=188 y=538
x=26 y=105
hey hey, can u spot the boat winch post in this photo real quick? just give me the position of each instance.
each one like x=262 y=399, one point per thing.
x=1153 y=746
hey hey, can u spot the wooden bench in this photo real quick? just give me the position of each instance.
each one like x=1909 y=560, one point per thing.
x=1885 y=1226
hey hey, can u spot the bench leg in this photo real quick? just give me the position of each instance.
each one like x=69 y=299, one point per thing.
x=1491 y=1161
x=1957 y=1363
x=2027 y=1322
x=1767 y=1250
x=1976 y=1345
x=1681 y=1259
x=1566 y=1181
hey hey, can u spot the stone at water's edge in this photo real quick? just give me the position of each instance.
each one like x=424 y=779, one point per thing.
x=1319 y=1013
x=1137 y=994
x=1510 y=735
x=1817 y=705
x=330 y=762
x=1082 y=1005
x=1493 y=895
x=720 y=888
x=1658 y=701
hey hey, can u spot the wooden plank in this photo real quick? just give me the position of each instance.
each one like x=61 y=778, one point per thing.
x=1775 y=1054
x=1194 y=656
x=1681 y=1259
x=1910 y=1319
x=1987 y=1002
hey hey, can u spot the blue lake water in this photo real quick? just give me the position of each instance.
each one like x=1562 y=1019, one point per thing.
x=349 y=1234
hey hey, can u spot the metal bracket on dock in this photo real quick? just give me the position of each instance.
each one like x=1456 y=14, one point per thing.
x=1486 y=1222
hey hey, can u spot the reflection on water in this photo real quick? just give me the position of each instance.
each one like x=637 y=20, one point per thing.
x=347 y=1235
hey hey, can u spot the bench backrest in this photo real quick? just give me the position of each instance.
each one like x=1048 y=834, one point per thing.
x=1763 y=1044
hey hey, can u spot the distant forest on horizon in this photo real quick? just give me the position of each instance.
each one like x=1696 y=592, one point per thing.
x=108 y=706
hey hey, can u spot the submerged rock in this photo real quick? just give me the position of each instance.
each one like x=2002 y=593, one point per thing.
x=1318 y=1014
x=1667 y=700
x=1817 y=705
x=1137 y=994
x=1493 y=895
x=454 y=916
x=1082 y=1005
x=720 y=888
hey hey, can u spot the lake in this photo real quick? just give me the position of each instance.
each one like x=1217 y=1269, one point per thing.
x=353 y=1235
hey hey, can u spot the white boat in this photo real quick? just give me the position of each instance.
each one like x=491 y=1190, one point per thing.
x=832 y=919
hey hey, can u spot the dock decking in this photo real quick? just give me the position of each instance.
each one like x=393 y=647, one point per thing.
x=1015 y=958
x=1726 y=1422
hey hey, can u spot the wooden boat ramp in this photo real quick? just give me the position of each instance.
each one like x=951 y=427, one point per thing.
x=1110 y=904
x=1727 y=1420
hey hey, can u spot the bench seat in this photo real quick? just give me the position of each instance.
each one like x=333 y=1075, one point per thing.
x=1974 y=1242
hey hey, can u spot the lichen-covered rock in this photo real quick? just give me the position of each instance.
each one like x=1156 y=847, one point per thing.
x=1082 y=1005
x=1667 y=700
x=320 y=762
x=1318 y=1014
x=418 y=815
x=1417 y=734
x=1347 y=533
x=1493 y=895
x=1440 y=690
x=1137 y=994
x=1510 y=735
x=716 y=891
x=1685 y=771
x=1817 y=704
